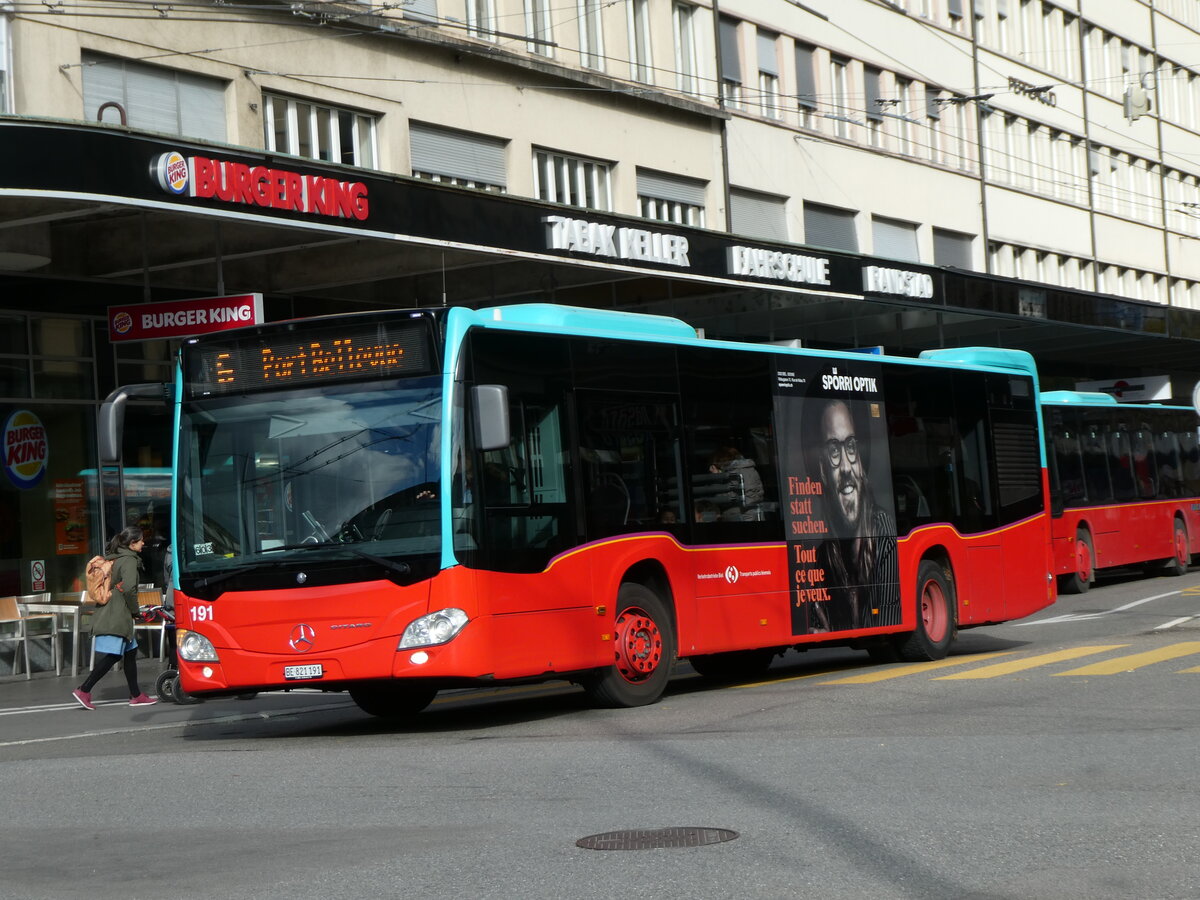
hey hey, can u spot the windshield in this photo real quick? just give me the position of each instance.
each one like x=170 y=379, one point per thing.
x=319 y=473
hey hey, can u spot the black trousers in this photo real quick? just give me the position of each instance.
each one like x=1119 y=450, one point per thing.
x=104 y=662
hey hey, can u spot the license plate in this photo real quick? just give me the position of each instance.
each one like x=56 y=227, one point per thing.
x=293 y=673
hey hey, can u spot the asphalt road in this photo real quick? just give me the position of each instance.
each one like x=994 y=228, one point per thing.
x=1049 y=758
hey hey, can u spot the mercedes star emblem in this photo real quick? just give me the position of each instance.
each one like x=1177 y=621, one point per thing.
x=302 y=638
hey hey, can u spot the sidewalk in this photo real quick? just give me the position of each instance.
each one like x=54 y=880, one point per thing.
x=45 y=687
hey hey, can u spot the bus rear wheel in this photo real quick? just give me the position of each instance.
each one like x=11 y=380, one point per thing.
x=935 y=616
x=644 y=649
x=1080 y=580
x=1178 y=564
x=392 y=701
x=736 y=665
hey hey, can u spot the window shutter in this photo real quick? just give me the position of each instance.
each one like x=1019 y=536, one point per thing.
x=758 y=215
x=894 y=239
x=201 y=107
x=731 y=66
x=103 y=81
x=420 y=9
x=874 y=108
x=826 y=226
x=661 y=186
x=951 y=248
x=954 y=8
x=768 y=58
x=457 y=154
x=806 y=88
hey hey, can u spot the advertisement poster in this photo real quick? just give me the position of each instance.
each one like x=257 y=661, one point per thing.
x=70 y=516
x=837 y=491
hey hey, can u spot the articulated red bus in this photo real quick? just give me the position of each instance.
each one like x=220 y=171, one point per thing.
x=1124 y=486
x=394 y=503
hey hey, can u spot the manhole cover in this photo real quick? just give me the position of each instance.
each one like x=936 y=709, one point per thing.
x=655 y=838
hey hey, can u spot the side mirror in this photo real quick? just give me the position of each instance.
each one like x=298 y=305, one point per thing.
x=110 y=424
x=492 y=427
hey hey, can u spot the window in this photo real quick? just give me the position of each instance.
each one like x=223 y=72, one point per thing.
x=457 y=157
x=537 y=26
x=670 y=198
x=573 y=180
x=731 y=64
x=827 y=226
x=154 y=98
x=894 y=239
x=955 y=11
x=5 y=53
x=839 y=83
x=768 y=75
x=758 y=215
x=481 y=19
x=308 y=129
x=904 y=124
x=806 y=88
x=686 y=63
x=874 y=110
x=933 y=120
x=952 y=248
x=640 y=61
x=591 y=35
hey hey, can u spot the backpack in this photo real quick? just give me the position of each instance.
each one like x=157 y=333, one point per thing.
x=99 y=580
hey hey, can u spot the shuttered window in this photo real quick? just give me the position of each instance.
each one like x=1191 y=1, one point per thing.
x=731 y=65
x=154 y=98
x=670 y=198
x=806 y=87
x=951 y=248
x=458 y=157
x=894 y=239
x=827 y=226
x=420 y=9
x=758 y=215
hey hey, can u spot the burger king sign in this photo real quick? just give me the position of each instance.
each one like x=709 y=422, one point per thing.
x=25 y=449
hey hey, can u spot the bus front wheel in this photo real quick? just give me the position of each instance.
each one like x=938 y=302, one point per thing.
x=1080 y=580
x=935 y=616
x=392 y=701
x=643 y=651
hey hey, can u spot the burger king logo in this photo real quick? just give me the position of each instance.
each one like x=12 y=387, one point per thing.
x=171 y=170
x=25 y=449
x=122 y=322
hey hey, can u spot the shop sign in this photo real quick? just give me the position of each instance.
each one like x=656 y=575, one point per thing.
x=901 y=282
x=183 y=318
x=70 y=516
x=618 y=242
x=277 y=189
x=25 y=448
x=1132 y=390
x=793 y=267
x=37 y=575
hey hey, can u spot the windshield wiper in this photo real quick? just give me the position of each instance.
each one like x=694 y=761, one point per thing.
x=401 y=569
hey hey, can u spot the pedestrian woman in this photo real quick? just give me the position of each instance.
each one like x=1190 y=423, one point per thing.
x=112 y=623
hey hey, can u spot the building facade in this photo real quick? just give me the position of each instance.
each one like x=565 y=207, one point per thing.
x=848 y=173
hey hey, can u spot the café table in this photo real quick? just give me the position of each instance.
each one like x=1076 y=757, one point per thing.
x=63 y=606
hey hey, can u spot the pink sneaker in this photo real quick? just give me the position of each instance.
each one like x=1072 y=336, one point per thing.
x=142 y=700
x=84 y=698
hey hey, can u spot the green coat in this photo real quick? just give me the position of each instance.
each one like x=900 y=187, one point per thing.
x=116 y=616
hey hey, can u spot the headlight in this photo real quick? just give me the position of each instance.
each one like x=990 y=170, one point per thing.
x=435 y=628
x=195 y=647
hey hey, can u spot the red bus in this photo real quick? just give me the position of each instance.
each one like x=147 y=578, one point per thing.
x=1124 y=486
x=394 y=503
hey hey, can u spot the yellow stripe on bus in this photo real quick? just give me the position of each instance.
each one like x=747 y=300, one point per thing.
x=1029 y=662
x=915 y=669
x=1136 y=660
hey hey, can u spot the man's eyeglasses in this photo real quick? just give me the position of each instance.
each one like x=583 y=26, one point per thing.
x=834 y=448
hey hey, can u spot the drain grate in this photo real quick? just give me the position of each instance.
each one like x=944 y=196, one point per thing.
x=655 y=838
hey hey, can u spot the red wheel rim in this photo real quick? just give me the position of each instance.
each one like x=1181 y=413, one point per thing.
x=934 y=618
x=639 y=645
x=1083 y=560
x=1181 y=547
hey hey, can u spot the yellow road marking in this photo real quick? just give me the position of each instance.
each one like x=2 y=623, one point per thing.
x=1136 y=660
x=915 y=669
x=1029 y=662
x=1194 y=670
